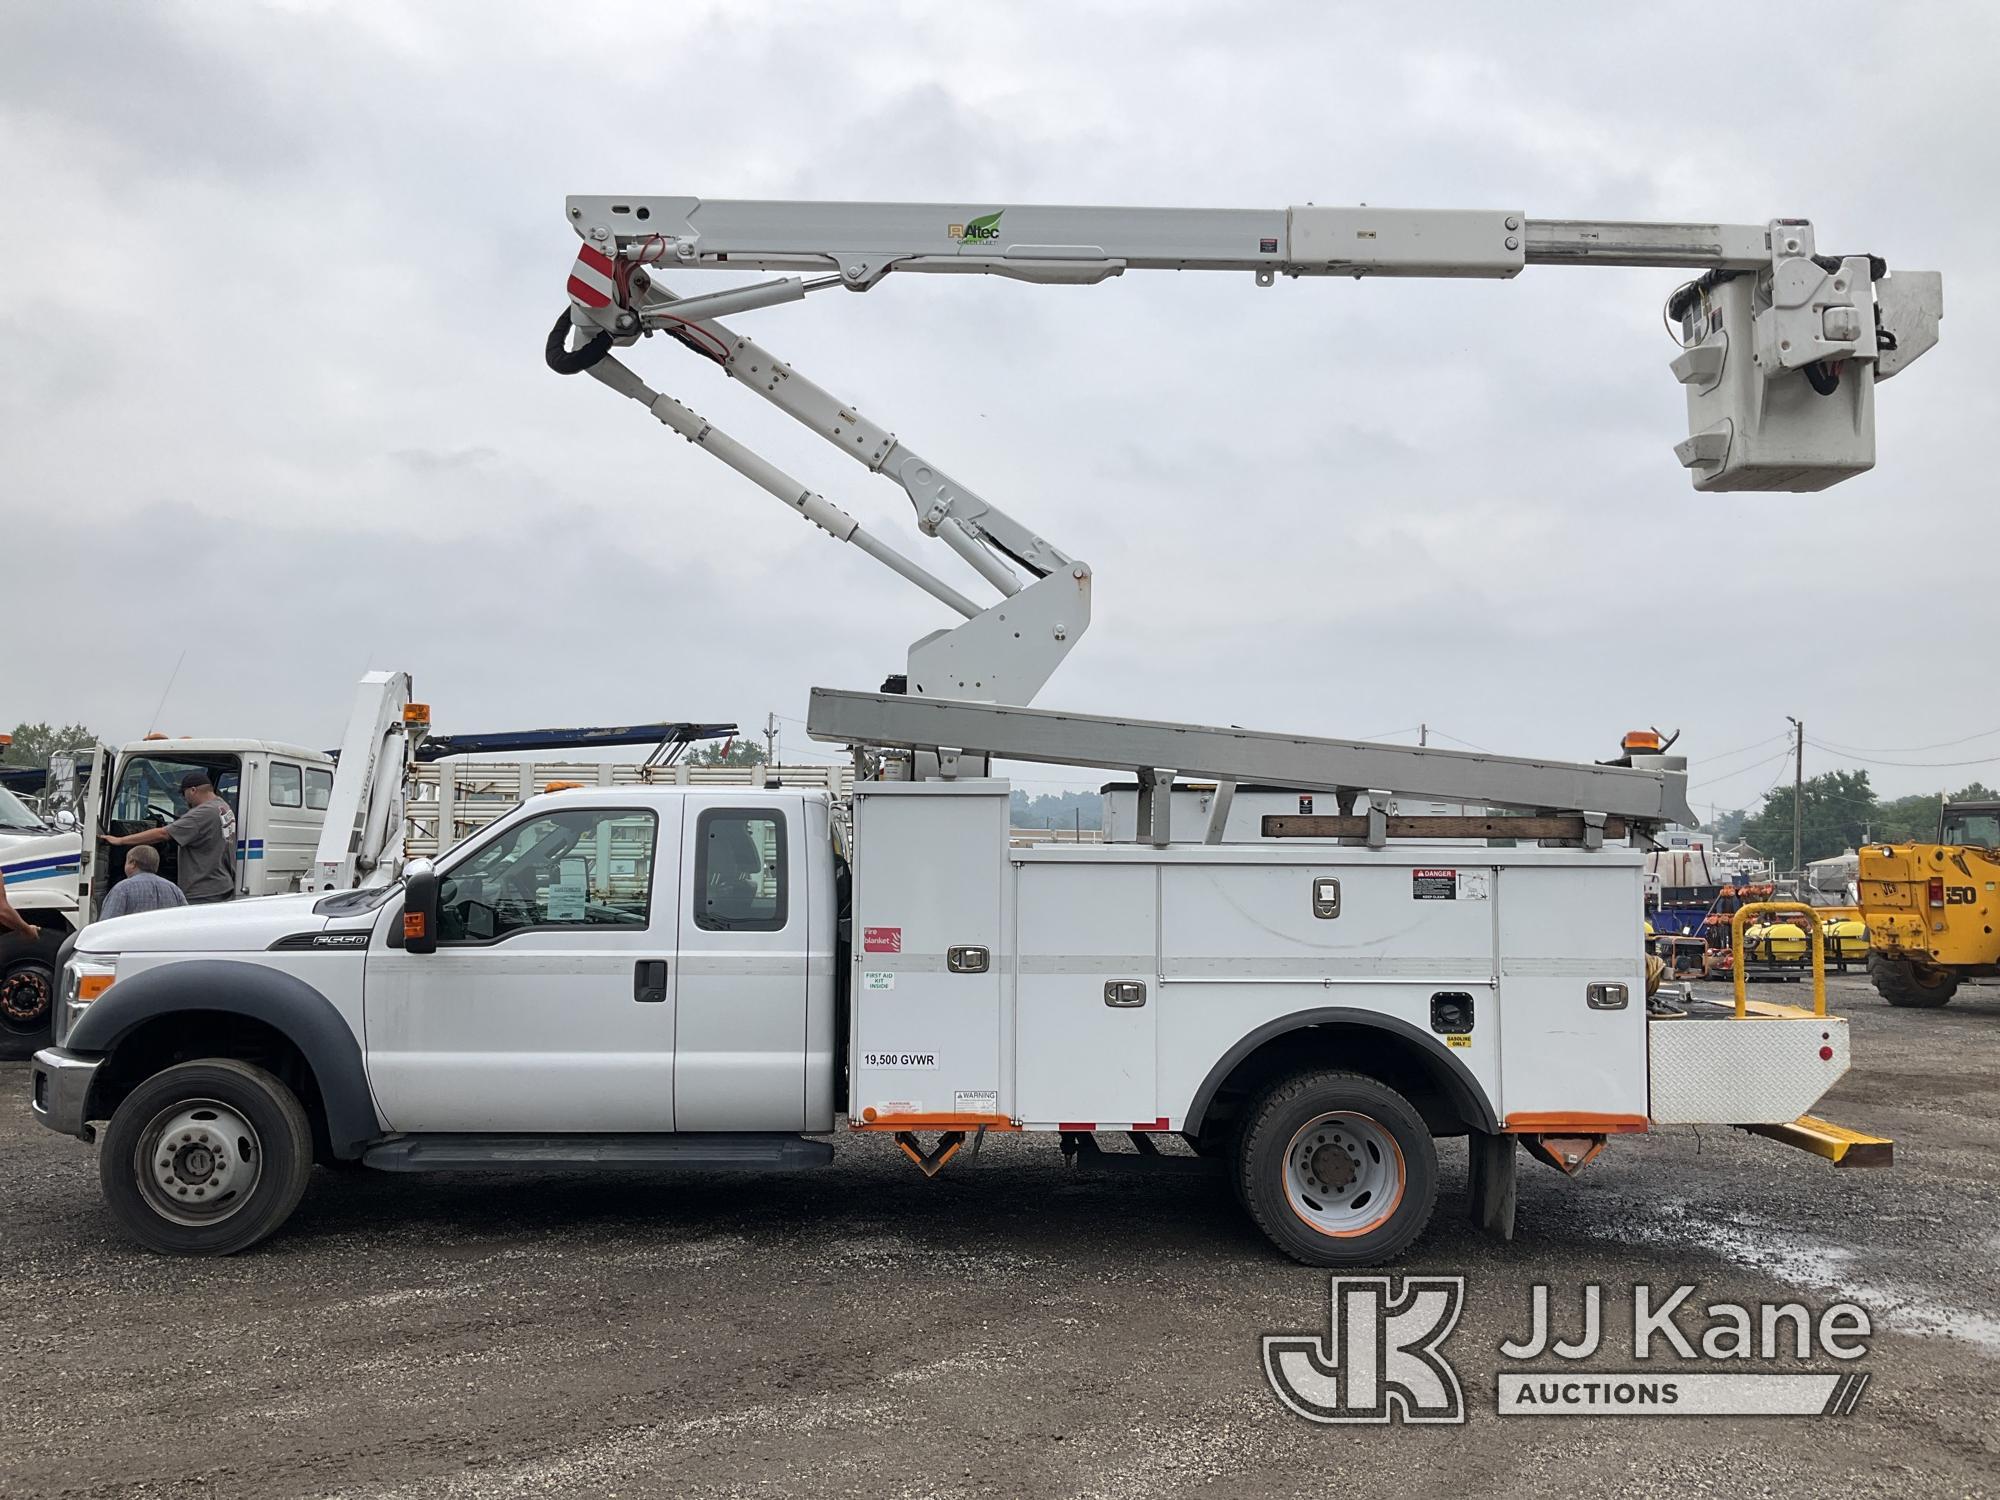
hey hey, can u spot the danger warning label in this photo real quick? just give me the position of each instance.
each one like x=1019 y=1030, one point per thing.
x=1434 y=885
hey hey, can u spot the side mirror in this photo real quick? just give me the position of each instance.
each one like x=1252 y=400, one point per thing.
x=420 y=907
x=65 y=820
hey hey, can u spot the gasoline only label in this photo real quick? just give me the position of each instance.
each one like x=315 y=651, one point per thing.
x=1434 y=885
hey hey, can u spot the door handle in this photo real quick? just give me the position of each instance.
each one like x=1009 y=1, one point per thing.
x=649 y=981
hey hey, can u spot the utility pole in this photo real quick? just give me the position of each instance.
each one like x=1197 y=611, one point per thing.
x=1424 y=735
x=771 y=738
x=1798 y=796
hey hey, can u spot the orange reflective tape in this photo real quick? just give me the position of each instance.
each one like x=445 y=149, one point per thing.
x=870 y=1120
x=1574 y=1124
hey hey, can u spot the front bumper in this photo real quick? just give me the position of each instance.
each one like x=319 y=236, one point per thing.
x=62 y=1082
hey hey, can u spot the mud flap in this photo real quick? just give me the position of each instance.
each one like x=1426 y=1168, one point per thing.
x=1490 y=1189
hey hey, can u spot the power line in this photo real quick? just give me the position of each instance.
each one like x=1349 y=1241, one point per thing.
x=1745 y=770
x=1911 y=749
x=1710 y=760
x=1457 y=741
x=1911 y=764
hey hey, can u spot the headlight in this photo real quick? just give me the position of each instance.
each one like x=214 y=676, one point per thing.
x=83 y=980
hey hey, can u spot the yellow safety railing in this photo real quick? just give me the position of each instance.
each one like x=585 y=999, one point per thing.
x=1817 y=942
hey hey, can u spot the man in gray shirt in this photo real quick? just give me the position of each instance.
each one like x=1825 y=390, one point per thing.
x=206 y=834
x=142 y=889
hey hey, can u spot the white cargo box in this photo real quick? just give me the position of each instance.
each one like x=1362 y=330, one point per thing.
x=1105 y=987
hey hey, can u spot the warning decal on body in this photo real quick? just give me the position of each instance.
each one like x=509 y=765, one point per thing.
x=1434 y=885
x=881 y=940
x=975 y=1102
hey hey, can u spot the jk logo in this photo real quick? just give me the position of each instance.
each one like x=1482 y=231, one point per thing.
x=1379 y=1359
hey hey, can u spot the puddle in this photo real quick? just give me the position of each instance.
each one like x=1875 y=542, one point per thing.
x=1779 y=1252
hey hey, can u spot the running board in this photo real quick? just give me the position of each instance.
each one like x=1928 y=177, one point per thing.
x=687 y=1153
x=1838 y=1144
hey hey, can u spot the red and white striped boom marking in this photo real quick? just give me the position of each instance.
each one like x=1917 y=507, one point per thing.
x=590 y=280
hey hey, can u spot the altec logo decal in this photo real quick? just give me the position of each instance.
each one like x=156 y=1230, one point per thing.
x=978 y=231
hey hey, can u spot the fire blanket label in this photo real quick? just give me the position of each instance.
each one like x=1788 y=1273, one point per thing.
x=1434 y=885
x=881 y=940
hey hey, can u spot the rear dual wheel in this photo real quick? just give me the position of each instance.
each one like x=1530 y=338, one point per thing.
x=1338 y=1169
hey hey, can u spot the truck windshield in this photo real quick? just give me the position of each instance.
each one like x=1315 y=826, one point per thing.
x=1980 y=827
x=149 y=787
x=15 y=816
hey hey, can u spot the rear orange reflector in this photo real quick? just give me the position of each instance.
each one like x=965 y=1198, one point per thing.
x=92 y=985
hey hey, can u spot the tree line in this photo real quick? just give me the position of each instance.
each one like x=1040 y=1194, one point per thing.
x=1840 y=811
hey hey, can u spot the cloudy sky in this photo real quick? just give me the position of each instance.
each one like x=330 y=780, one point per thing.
x=274 y=282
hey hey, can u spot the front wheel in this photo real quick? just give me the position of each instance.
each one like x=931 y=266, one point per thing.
x=206 y=1158
x=1337 y=1169
x=27 y=993
x=1902 y=983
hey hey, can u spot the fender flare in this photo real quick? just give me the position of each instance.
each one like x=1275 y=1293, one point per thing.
x=282 y=1001
x=1464 y=1091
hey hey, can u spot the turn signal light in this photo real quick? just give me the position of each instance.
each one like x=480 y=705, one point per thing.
x=1937 y=890
x=92 y=985
x=413 y=925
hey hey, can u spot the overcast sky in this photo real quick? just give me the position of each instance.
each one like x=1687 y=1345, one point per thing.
x=274 y=283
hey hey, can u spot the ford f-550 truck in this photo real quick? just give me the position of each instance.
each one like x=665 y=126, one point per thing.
x=705 y=978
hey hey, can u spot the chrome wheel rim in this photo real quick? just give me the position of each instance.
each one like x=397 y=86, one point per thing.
x=198 y=1162
x=1343 y=1173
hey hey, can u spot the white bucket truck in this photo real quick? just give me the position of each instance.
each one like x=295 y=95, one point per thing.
x=703 y=978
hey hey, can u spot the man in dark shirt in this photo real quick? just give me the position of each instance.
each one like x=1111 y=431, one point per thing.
x=206 y=833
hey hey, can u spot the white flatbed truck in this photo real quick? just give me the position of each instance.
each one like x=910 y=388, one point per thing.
x=698 y=977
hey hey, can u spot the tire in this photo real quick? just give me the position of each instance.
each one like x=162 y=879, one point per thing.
x=28 y=971
x=1903 y=984
x=1337 y=1169
x=215 y=1126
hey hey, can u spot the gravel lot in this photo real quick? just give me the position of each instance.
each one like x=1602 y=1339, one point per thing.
x=1008 y=1329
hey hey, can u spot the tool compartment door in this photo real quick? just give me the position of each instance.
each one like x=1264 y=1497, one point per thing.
x=1563 y=928
x=930 y=858
x=1083 y=1057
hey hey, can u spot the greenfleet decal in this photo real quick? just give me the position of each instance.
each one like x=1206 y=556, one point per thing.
x=978 y=231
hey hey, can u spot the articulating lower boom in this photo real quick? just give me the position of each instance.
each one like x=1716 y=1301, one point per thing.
x=1780 y=349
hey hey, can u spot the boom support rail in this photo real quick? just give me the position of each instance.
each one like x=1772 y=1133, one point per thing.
x=1157 y=751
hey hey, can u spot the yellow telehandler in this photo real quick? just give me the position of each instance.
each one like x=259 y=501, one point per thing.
x=1931 y=909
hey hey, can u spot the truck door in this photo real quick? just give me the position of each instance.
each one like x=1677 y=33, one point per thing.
x=549 y=1004
x=101 y=863
x=740 y=1044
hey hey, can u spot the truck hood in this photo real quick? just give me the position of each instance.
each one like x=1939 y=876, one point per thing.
x=240 y=926
x=26 y=858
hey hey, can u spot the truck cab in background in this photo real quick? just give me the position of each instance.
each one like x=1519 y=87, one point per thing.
x=39 y=861
x=278 y=793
